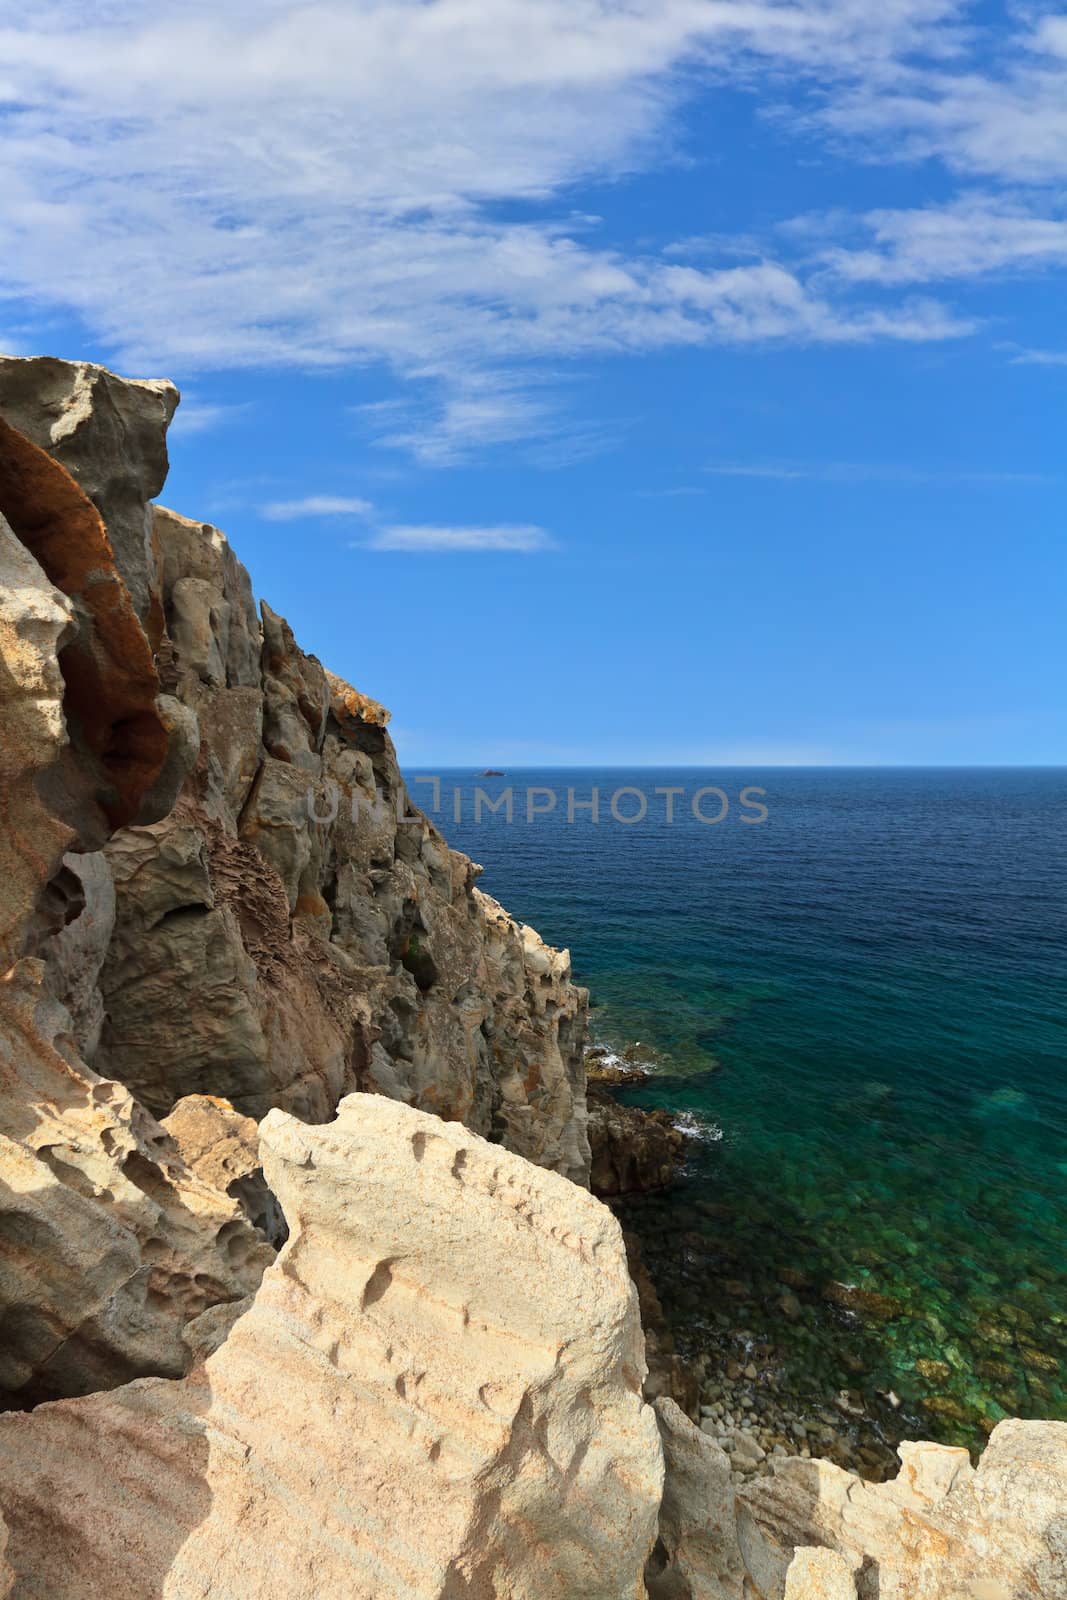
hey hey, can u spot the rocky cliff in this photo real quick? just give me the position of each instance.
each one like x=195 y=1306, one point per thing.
x=216 y=885
x=249 y=999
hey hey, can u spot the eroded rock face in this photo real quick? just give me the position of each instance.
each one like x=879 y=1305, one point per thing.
x=34 y=618
x=390 y=1420
x=110 y=435
x=941 y=1530
x=7 y=1577
x=292 y=928
x=222 y=1148
x=819 y=1575
x=296 y=929
x=696 y=1556
x=110 y=1244
x=211 y=865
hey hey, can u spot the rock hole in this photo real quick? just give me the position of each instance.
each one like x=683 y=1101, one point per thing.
x=378 y=1284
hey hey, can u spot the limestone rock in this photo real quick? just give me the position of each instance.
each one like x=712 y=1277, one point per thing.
x=110 y=683
x=7 y=1576
x=812 y=1531
x=110 y=435
x=110 y=1244
x=940 y=1529
x=222 y=1148
x=390 y=1420
x=289 y=927
x=84 y=919
x=696 y=1557
x=34 y=617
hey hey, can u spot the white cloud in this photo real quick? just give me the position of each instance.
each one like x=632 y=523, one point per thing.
x=317 y=505
x=524 y=537
x=971 y=236
x=1005 y=116
x=315 y=184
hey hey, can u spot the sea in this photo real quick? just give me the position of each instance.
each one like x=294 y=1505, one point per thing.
x=850 y=987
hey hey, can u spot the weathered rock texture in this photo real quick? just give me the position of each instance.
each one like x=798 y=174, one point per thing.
x=435 y=1394
x=222 y=1148
x=942 y=1530
x=110 y=435
x=214 y=886
x=109 y=1244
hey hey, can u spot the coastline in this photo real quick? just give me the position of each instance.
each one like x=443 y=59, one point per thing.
x=754 y=1391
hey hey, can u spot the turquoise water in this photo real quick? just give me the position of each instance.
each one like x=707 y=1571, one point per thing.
x=861 y=1004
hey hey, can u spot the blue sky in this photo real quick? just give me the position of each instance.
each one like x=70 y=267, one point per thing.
x=648 y=382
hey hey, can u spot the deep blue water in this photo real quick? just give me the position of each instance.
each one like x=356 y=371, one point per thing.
x=862 y=1003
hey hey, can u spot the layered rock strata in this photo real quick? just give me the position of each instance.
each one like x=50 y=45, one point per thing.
x=435 y=1394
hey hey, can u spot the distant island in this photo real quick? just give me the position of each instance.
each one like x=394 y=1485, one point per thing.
x=492 y=772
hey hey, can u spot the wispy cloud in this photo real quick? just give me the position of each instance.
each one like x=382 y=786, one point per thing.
x=1000 y=114
x=1039 y=358
x=199 y=416
x=318 y=185
x=524 y=537
x=846 y=472
x=317 y=505
x=976 y=234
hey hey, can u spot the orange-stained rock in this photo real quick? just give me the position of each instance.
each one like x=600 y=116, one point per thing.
x=110 y=679
x=348 y=705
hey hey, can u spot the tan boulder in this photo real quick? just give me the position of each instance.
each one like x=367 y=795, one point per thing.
x=222 y=1148
x=435 y=1393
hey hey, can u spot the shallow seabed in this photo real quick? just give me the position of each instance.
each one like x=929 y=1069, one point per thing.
x=861 y=1006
